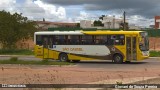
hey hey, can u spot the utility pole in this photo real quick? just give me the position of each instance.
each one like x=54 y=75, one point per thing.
x=124 y=23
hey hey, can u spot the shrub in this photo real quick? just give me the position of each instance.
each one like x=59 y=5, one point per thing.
x=45 y=60
x=154 y=53
x=16 y=52
x=14 y=59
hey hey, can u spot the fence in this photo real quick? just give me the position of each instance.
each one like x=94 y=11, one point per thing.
x=153 y=33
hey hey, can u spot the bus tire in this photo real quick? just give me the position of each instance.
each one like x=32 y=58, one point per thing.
x=63 y=57
x=118 y=59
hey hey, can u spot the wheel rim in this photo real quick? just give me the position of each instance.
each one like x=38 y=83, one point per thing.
x=118 y=58
x=63 y=58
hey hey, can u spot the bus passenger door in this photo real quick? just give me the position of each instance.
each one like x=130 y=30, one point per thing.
x=131 y=49
x=45 y=47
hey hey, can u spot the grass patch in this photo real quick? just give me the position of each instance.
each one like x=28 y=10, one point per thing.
x=154 y=53
x=47 y=62
x=16 y=52
x=13 y=59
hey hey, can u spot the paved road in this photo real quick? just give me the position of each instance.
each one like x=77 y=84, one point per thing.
x=152 y=63
x=20 y=57
x=105 y=64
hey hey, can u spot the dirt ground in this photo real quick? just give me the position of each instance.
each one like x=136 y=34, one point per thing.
x=29 y=74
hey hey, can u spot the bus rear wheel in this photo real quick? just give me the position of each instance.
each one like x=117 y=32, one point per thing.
x=63 y=57
x=118 y=59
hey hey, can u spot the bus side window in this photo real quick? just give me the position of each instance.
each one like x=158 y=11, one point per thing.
x=73 y=40
x=122 y=39
x=83 y=40
x=97 y=40
x=39 y=40
x=110 y=40
x=105 y=40
x=119 y=40
x=116 y=40
x=45 y=42
x=87 y=40
x=59 y=40
x=56 y=40
x=51 y=41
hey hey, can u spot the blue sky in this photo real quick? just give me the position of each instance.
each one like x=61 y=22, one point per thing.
x=139 y=12
x=20 y=1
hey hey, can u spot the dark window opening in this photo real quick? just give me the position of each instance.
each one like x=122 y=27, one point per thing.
x=39 y=40
x=50 y=40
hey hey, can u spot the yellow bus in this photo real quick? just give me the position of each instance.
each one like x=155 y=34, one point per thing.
x=118 y=46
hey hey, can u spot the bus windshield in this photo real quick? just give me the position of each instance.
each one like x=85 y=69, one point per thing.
x=144 y=42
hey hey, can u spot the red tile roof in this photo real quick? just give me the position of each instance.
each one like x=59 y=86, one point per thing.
x=56 y=23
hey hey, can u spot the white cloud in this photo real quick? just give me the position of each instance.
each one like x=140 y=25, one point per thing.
x=85 y=16
x=140 y=21
x=137 y=20
x=7 y=5
x=3 y=3
x=36 y=10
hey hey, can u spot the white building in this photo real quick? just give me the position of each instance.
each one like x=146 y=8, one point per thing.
x=44 y=25
x=110 y=22
x=85 y=24
x=134 y=27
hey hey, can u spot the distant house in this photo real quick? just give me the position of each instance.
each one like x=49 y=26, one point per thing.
x=152 y=26
x=44 y=25
x=157 y=22
x=110 y=22
x=134 y=27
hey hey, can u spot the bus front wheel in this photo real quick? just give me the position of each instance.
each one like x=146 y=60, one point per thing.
x=63 y=57
x=118 y=58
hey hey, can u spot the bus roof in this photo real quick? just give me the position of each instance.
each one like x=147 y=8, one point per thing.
x=111 y=32
x=98 y=32
x=59 y=33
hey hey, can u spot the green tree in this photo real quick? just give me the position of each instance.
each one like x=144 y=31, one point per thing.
x=78 y=24
x=126 y=27
x=101 y=17
x=98 y=23
x=14 y=27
